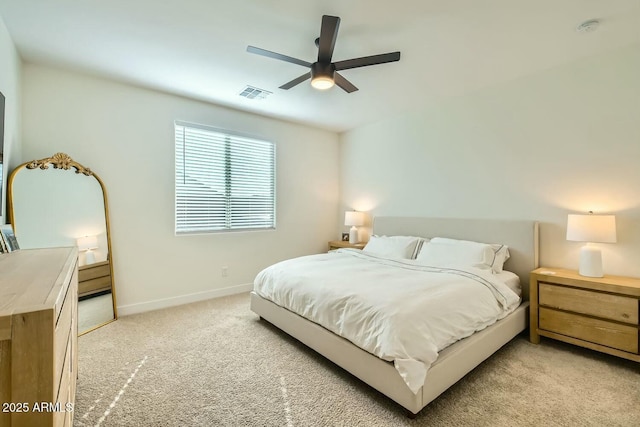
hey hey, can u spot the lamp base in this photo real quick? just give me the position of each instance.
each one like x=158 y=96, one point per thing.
x=353 y=235
x=590 y=261
x=89 y=257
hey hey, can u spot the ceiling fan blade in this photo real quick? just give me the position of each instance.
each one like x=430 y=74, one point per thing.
x=344 y=83
x=274 y=55
x=296 y=81
x=328 y=36
x=367 y=60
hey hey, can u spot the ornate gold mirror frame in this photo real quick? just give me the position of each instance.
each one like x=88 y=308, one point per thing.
x=55 y=207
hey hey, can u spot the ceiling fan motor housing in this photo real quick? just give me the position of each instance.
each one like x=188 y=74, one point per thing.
x=319 y=70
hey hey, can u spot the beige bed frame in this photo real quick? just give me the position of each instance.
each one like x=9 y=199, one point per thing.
x=453 y=362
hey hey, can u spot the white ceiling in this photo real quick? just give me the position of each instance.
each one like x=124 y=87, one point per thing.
x=197 y=48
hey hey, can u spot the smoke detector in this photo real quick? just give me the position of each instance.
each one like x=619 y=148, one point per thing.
x=588 y=26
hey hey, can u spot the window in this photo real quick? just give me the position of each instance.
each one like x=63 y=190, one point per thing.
x=224 y=181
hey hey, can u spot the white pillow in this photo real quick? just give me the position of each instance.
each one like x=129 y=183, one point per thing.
x=511 y=280
x=404 y=247
x=441 y=251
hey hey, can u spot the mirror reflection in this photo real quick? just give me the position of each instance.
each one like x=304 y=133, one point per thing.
x=58 y=202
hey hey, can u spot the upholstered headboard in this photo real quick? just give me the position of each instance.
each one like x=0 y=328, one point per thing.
x=521 y=237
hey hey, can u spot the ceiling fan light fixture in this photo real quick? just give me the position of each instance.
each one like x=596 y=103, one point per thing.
x=322 y=76
x=322 y=82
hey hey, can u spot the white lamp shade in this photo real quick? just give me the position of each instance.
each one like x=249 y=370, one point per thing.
x=87 y=243
x=354 y=218
x=591 y=228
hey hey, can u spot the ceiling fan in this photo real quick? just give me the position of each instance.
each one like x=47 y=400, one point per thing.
x=324 y=73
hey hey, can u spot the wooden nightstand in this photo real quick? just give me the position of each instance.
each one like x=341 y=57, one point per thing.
x=94 y=278
x=597 y=313
x=337 y=244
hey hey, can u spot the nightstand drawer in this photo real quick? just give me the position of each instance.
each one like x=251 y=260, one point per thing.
x=607 y=306
x=91 y=271
x=94 y=285
x=610 y=334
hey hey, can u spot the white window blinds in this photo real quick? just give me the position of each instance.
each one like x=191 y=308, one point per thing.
x=224 y=181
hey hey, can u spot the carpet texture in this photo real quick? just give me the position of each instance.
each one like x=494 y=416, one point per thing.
x=214 y=363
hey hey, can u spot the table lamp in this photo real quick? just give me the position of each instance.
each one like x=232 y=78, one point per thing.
x=591 y=229
x=88 y=243
x=354 y=219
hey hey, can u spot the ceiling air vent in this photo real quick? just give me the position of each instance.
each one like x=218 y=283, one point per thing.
x=588 y=26
x=251 y=92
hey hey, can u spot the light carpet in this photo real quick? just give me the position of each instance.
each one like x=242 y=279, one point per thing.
x=214 y=363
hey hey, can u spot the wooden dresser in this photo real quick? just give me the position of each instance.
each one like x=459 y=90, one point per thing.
x=602 y=314
x=38 y=337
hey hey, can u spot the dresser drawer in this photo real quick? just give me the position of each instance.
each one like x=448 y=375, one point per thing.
x=62 y=301
x=64 y=393
x=610 y=334
x=606 y=306
x=63 y=332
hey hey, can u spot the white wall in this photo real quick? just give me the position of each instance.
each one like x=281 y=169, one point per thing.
x=10 y=69
x=563 y=141
x=125 y=134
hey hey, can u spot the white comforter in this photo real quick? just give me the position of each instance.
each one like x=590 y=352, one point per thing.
x=397 y=310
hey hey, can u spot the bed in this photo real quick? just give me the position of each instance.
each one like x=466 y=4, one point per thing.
x=454 y=361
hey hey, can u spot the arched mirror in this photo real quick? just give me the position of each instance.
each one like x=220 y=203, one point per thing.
x=58 y=202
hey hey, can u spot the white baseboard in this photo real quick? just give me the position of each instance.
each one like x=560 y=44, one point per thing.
x=125 y=310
